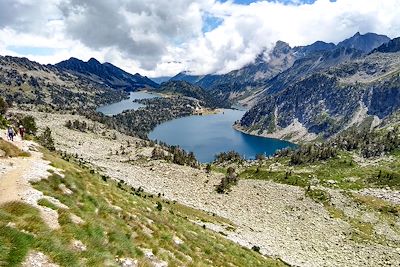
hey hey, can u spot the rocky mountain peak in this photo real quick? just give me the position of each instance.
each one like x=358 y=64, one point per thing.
x=365 y=43
x=93 y=61
x=281 y=48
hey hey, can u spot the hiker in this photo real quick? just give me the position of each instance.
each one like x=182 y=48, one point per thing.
x=10 y=133
x=21 y=132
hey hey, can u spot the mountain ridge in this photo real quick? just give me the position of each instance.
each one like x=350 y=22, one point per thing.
x=106 y=73
x=356 y=93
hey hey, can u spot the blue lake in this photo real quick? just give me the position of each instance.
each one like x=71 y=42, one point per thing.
x=209 y=135
x=206 y=135
x=125 y=104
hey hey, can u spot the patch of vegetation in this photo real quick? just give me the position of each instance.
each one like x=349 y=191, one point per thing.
x=118 y=221
x=367 y=144
x=230 y=156
x=228 y=181
x=377 y=205
x=46 y=140
x=174 y=154
x=339 y=172
x=189 y=90
x=29 y=124
x=280 y=176
x=11 y=150
x=318 y=195
x=385 y=178
x=3 y=106
x=46 y=203
x=3 y=122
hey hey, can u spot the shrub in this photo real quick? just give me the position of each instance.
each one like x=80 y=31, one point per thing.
x=226 y=183
x=3 y=106
x=208 y=168
x=260 y=156
x=318 y=195
x=46 y=140
x=3 y=122
x=231 y=156
x=29 y=124
x=256 y=249
x=159 y=206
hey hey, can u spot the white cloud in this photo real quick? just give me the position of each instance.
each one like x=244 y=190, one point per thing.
x=163 y=37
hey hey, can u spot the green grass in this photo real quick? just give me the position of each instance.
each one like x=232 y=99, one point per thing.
x=46 y=203
x=318 y=195
x=11 y=150
x=297 y=179
x=109 y=231
x=343 y=171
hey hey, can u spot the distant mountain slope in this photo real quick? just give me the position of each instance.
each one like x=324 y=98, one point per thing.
x=106 y=73
x=283 y=64
x=189 y=90
x=392 y=46
x=161 y=80
x=308 y=64
x=26 y=82
x=356 y=93
x=365 y=43
x=186 y=76
x=318 y=46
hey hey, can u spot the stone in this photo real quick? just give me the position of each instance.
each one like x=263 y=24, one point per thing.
x=65 y=190
x=78 y=246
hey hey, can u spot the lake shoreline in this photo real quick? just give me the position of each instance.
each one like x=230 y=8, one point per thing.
x=239 y=128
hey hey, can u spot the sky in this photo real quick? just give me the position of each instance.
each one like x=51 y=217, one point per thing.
x=164 y=37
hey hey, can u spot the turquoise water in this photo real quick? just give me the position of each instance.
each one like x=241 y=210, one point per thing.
x=211 y=134
x=125 y=104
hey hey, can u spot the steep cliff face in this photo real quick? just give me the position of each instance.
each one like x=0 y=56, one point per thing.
x=356 y=93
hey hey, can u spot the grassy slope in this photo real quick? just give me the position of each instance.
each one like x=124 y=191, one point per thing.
x=109 y=231
x=341 y=172
x=11 y=150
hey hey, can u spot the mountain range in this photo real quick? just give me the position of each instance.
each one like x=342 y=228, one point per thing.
x=106 y=73
x=295 y=93
x=241 y=85
x=324 y=94
x=315 y=91
x=27 y=82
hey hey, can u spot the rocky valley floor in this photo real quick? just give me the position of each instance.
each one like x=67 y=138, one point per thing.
x=279 y=218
